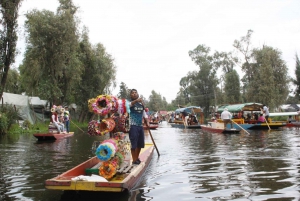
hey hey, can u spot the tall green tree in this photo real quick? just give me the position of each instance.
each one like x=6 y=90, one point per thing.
x=266 y=79
x=99 y=73
x=8 y=37
x=124 y=91
x=232 y=87
x=13 y=83
x=273 y=78
x=297 y=80
x=156 y=102
x=204 y=82
x=51 y=65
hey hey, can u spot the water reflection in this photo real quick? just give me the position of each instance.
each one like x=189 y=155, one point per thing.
x=193 y=165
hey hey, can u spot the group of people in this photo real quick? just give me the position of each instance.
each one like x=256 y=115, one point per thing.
x=226 y=116
x=61 y=120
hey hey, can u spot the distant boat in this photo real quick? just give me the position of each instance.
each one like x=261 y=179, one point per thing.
x=52 y=136
x=216 y=127
x=251 y=124
x=182 y=112
x=151 y=126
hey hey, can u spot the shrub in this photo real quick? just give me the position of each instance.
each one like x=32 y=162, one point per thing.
x=11 y=114
x=3 y=124
x=27 y=124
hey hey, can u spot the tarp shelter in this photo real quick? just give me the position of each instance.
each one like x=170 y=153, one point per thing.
x=38 y=106
x=190 y=109
x=22 y=105
x=241 y=107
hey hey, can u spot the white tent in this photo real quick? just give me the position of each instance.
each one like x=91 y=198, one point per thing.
x=22 y=105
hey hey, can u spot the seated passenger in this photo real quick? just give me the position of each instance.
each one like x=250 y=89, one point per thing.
x=290 y=119
x=261 y=118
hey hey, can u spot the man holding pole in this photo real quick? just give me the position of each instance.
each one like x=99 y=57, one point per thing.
x=136 y=132
x=226 y=117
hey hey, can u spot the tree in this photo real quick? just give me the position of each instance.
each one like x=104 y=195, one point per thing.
x=51 y=66
x=297 y=80
x=204 y=82
x=124 y=91
x=156 y=102
x=8 y=37
x=99 y=72
x=265 y=78
x=232 y=87
x=12 y=83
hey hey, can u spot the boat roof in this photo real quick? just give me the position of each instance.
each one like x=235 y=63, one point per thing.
x=241 y=107
x=190 y=109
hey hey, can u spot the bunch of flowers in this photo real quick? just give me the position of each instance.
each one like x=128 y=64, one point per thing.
x=90 y=103
x=106 y=150
x=93 y=128
x=107 y=125
x=58 y=109
x=109 y=168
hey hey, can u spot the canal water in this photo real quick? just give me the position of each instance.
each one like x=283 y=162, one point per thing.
x=193 y=165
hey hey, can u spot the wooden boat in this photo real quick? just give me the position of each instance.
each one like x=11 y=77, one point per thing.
x=77 y=178
x=216 y=127
x=249 y=108
x=294 y=115
x=52 y=136
x=151 y=126
x=181 y=125
x=195 y=111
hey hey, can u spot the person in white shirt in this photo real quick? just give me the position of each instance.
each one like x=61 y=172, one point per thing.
x=265 y=110
x=226 y=117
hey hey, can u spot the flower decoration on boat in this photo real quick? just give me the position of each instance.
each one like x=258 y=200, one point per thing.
x=108 y=169
x=105 y=151
x=93 y=128
x=102 y=105
x=107 y=125
x=90 y=103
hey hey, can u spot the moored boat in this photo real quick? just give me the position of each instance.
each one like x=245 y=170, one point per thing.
x=85 y=177
x=216 y=127
x=52 y=136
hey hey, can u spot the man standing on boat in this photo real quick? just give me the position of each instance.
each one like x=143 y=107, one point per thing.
x=265 y=110
x=136 y=132
x=226 y=117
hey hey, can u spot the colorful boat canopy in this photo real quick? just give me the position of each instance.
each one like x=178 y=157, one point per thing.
x=241 y=107
x=190 y=109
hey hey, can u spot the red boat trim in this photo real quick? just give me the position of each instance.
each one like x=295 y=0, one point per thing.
x=58 y=183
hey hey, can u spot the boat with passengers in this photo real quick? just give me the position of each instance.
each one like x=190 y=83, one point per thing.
x=194 y=112
x=244 y=115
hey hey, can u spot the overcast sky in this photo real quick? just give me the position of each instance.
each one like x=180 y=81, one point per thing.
x=150 y=39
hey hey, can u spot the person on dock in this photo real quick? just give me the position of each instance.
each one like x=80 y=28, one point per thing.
x=226 y=117
x=136 y=132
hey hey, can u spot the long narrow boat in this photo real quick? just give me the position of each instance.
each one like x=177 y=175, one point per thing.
x=243 y=109
x=79 y=178
x=216 y=127
x=195 y=111
x=181 y=125
x=151 y=126
x=52 y=136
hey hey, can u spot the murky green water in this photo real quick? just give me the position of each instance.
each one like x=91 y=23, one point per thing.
x=193 y=165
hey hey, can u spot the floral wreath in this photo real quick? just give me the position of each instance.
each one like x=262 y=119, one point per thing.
x=102 y=105
x=108 y=170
